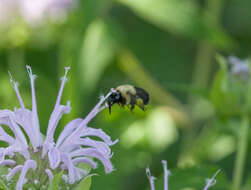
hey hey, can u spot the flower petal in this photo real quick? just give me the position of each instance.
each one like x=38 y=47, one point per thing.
x=15 y=86
x=68 y=129
x=54 y=119
x=70 y=166
x=88 y=118
x=84 y=160
x=13 y=171
x=58 y=111
x=151 y=178
x=88 y=131
x=7 y=162
x=6 y=137
x=166 y=174
x=91 y=152
x=50 y=174
x=7 y=117
x=34 y=119
x=29 y=164
x=100 y=146
x=24 y=118
x=54 y=157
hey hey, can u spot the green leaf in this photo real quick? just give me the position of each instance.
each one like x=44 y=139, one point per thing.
x=56 y=181
x=182 y=17
x=85 y=184
x=3 y=186
x=227 y=92
x=98 y=49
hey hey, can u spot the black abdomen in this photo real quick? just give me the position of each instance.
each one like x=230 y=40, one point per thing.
x=142 y=94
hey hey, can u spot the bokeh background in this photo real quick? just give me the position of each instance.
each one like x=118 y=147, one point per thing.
x=167 y=47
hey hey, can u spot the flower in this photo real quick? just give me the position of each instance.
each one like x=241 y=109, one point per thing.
x=152 y=178
x=210 y=182
x=238 y=67
x=28 y=152
x=34 y=12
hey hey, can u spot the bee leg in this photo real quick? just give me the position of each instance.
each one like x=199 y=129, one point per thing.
x=110 y=107
x=133 y=102
x=143 y=108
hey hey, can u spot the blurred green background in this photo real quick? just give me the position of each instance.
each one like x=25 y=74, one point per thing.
x=167 y=47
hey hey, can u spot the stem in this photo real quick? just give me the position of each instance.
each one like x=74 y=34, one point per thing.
x=201 y=76
x=241 y=154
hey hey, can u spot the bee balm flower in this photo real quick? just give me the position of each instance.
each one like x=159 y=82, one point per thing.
x=210 y=182
x=37 y=159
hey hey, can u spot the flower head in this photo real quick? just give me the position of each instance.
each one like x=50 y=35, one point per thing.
x=27 y=151
x=238 y=67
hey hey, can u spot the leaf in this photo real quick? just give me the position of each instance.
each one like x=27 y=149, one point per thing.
x=227 y=92
x=98 y=49
x=85 y=184
x=56 y=181
x=182 y=17
x=3 y=186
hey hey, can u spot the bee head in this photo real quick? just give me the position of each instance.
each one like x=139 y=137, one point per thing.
x=115 y=97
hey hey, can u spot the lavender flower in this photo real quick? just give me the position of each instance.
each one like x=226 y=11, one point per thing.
x=152 y=178
x=210 y=182
x=28 y=151
x=239 y=67
x=34 y=12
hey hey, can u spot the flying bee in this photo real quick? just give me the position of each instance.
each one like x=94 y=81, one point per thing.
x=128 y=95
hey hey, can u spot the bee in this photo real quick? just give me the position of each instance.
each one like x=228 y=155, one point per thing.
x=128 y=95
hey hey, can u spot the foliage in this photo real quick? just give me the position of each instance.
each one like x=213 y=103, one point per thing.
x=165 y=46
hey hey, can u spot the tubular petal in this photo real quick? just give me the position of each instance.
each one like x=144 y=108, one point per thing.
x=166 y=174
x=14 y=171
x=29 y=164
x=70 y=166
x=88 y=131
x=7 y=118
x=34 y=119
x=68 y=129
x=85 y=160
x=54 y=157
x=54 y=119
x=7 y=162
x=15 y=86
x=211 y=181
x=58 y=109
x=151 y=178
x=100 y=146
x=6 y=137
x=91 y=152
x=49 y=173
x=24 y=118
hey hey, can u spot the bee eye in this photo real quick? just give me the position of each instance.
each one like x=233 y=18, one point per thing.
x=117 y=96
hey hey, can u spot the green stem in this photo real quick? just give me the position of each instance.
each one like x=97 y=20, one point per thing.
x=241 y=154
x=201 y=76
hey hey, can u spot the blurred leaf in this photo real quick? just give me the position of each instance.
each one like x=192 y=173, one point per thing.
x=181 y=17
x=54 y=185
x=169 y=14
x=226 y=93
x=99 y=48
x=3 y=186
x=85 y=184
